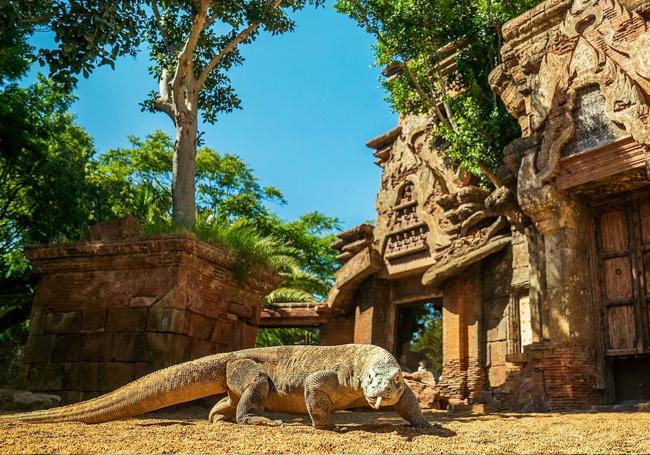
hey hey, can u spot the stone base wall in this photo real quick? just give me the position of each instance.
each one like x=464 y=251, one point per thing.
x=462 y=379
x=556 y=377
x=106 y=313
x=453 y=383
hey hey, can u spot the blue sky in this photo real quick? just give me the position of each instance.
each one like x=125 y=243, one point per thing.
x=310 y=102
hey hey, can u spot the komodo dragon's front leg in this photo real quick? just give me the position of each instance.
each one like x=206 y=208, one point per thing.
x=248 y=386
x=320 y=388
x=409 y=409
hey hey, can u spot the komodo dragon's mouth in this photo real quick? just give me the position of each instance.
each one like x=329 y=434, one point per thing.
x=374 y=402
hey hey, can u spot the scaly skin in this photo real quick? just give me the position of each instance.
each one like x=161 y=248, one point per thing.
x=293 y=379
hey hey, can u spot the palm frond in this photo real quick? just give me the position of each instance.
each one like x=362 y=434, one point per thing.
x=288 y=295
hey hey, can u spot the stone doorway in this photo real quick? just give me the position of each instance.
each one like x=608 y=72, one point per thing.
x=418 y=336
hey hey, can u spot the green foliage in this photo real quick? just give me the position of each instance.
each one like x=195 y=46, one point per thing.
x=411 y=35
x=43 y=196
x=284 y=337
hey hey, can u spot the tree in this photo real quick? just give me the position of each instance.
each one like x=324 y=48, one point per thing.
x=413 y=37
x=135 y=180
x=43 y=157
x=192 y=45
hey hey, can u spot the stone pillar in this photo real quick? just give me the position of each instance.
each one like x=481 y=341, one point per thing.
x=463 y=368
x=371 y=323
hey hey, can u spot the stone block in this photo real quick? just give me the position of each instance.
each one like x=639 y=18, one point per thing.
x=201 y=348
x=68 y=348
x=99 y=347
x=45 y=376
x=22 y=400
x=39 y=348
x=497 y=375
x=129 y=347
x=221 y=333
x=167 y=348
x=113 y=375
x=198 y=326
x=80 y=375
x=497 y=330
x=166 y=320
x=241 y=310
x=142 y=301
x=93 y=320
x=70 y=396
x=126 y=319
x=497 y=352
x=141 y=369
x=248 y=335
x=63 y=322
x=89 y=395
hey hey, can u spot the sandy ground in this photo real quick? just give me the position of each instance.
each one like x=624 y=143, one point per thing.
x=363 y=432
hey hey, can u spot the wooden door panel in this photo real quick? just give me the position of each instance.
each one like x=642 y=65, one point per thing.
x=622 y=328
x=614 y=232
x=646 y=270
x=618 y=278
x=644 y=219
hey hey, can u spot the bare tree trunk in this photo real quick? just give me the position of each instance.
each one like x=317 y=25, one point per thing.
x=184 y=171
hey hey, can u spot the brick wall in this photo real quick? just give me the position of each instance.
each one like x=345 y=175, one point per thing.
x=556 y=377
x=106 y=313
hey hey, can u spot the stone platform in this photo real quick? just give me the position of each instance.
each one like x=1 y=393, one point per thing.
x=108 y=312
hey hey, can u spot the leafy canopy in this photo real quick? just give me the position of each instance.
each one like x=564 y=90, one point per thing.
x=414 y=37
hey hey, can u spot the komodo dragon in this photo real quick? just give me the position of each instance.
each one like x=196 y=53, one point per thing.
x=293 y=379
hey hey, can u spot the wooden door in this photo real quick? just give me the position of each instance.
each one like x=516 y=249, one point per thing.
x=623 y=241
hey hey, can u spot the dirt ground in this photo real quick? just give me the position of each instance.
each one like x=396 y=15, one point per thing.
x=363 y=432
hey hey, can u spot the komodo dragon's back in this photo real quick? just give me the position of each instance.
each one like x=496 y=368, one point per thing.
x=325 y=377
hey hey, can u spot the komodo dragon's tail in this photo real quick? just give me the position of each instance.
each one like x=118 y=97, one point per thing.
x=177 y=384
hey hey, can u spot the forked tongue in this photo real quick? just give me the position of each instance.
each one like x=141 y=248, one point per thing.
x=377 y=403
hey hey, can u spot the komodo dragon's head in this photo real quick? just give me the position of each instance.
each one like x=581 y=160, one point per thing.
x=382 y=382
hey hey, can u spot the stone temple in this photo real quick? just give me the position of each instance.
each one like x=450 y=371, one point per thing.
x=542 y=281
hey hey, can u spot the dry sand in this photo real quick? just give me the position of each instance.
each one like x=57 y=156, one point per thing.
x=364 y=432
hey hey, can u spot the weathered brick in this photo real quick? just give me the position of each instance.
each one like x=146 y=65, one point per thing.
x=93 y=320
x=68 y=348
x=198 y=326
x=70 y=396
x=80 y=375
x=166 y=320
x=63 y=322
x=201 y=348
x=221 y=332
x=129 y=346
x=99 y=347
x=45 y=377
x=114 y=374
x=167 y=348
x=39 y=348
x=249 y=333
x=126 y=319
x=498 y=351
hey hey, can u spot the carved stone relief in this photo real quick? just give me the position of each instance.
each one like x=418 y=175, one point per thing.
x=586 y=87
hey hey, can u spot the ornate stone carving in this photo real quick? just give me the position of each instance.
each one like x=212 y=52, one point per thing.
x=599 y=44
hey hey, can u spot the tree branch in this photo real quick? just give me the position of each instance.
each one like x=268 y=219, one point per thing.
x=37 y=20
x=184 y=72
x=173 y=51
x=228 y=48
